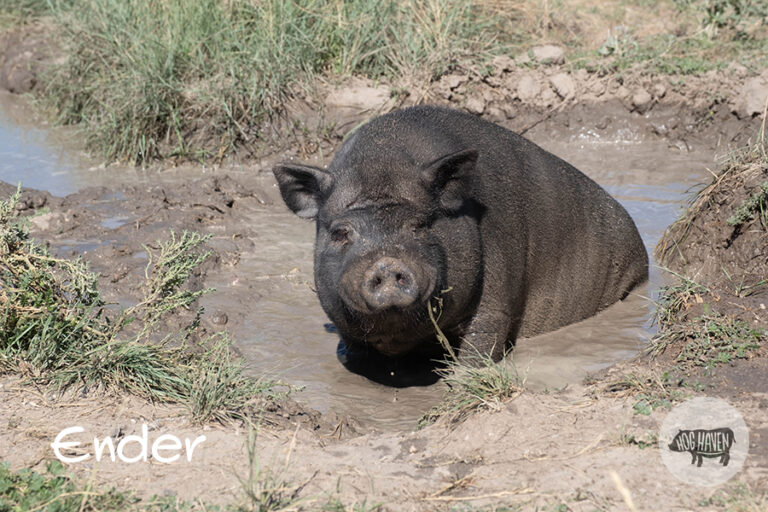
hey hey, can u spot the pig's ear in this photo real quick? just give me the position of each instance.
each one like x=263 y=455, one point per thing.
x=449 y=177
x=303 y=188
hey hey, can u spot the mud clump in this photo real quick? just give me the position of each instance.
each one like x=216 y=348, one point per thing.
x=548 y=54
x=752 y=96
x=30 y=199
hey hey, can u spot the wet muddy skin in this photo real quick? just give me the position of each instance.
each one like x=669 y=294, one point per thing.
x=263 y=267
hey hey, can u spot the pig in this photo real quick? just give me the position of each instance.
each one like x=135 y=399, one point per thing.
x=432 y=207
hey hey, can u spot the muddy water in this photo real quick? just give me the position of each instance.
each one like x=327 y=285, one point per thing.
x=49 y=159
x=35 y=156
x=273 y=313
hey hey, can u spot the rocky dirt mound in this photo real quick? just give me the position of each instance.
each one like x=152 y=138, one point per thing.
x=713 y=322
x=520 y=93
x=721 y=243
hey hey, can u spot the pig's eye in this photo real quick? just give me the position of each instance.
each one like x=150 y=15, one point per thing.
x=340 y=235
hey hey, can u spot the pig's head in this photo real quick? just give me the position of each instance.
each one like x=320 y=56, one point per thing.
x=393 y=232
x=677 y=443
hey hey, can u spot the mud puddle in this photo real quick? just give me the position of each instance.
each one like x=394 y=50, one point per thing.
x=50 y=158
x=263 y=275
x=285 y=331
x=38 y=157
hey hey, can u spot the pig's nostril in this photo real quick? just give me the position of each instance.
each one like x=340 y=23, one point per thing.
x=376 y=281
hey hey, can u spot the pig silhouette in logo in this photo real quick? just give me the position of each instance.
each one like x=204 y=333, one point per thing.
x=704 y=443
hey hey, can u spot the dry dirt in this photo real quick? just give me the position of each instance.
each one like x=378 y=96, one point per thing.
x=538 y=449
x=580 y=446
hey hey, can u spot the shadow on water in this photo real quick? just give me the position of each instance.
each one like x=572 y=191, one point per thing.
x=395 y=372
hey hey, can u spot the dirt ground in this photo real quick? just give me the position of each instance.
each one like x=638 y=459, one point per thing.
x=538 y=449
x=583 y=446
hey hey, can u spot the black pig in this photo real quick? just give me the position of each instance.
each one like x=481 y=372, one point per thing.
x=426 y=203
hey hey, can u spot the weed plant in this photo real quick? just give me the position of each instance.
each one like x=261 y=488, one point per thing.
x=710 y=340
x=55 y=490
x=55 y=329
x=755 y=206
x=476 y=383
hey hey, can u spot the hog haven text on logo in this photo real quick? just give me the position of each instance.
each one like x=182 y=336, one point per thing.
x=702 y=443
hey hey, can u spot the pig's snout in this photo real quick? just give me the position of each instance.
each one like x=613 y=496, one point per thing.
x=389 y=282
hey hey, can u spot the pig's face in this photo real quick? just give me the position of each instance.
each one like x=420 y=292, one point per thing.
x=384 y=241
x=376 y=267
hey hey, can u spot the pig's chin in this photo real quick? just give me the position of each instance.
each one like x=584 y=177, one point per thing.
x=396 y=333
x=394 y=344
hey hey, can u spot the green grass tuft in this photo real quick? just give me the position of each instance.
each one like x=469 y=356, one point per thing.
x=755 y=205
x=29 y=490
x=219 y=389
x=649 y=390
x=710 y=340
x=56 y=491
x=675 y=299
x=474 y=384
x=56 y=330
x=161 y=79
x=17 y=12
x=266 y=490
x=737 y=498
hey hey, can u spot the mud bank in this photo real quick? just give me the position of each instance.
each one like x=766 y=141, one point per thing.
x=719 y=248
x=518 y=91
